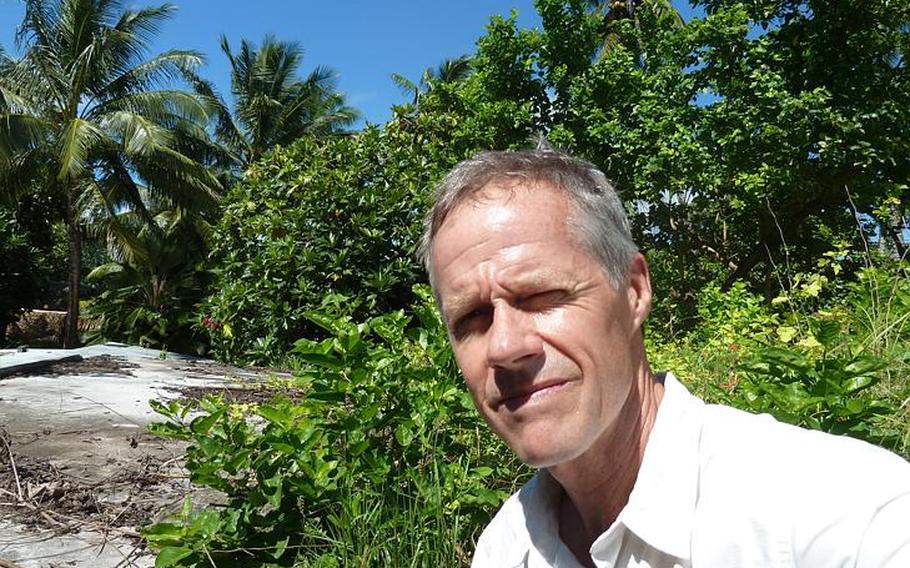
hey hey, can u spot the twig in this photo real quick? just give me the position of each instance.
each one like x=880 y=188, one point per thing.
x=127 y=560
x=12 y=463
x=127 y=419
x=164 y=464
x=859 y=227
x=50 y=517
x=783 y=241
x=209 y=556
x=8 y=564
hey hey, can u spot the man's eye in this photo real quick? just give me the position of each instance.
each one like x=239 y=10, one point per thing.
x=543 y=300
x=473 y=321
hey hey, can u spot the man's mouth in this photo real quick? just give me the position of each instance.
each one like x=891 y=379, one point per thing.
x=513 y=400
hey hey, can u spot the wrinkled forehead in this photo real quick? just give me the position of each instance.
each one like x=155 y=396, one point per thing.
x=506 y=188
x=500 y=216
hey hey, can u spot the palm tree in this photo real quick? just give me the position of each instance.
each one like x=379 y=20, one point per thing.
x=616 y=10
x=153 y=279
x=86 y=104
x=272 y=105
x=448 y=72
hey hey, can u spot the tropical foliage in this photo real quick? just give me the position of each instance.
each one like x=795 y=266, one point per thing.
x=760 y=147
x=97 y=120
x=379 y=432
x=448 y=72
x=153 y=282
x=338 y=216
x=272 y=105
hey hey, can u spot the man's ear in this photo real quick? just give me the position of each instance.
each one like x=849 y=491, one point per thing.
x=638 y=288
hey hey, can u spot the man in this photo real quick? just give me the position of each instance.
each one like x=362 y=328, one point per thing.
x=544 y=294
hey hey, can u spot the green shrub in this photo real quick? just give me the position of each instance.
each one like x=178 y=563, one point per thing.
x=826 y=392
x=828 y=353
x=333 y=216
x=382 y=432
x=731 y=326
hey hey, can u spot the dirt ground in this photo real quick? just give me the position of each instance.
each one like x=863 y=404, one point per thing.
x=79 y=474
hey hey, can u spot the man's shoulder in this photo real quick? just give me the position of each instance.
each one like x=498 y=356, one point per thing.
x=798 y=463
x=727 y=431
x=824 y=499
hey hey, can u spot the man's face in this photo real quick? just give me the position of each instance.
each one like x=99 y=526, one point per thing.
x=548 y=348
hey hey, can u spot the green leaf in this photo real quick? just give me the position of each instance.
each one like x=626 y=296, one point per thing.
x=162 y=531
x=280 y=548
x=404 y=435
x=275 y=486
x=275 y=415
x=864 y=364
x=171 y=555
x=325 y=360
x=856 y=384
x=202 y=424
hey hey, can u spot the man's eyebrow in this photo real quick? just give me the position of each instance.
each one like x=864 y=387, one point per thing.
x=458 y=305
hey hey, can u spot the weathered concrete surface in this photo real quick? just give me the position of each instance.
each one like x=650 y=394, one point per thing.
x=34 y=360
x=42 y=547
x=90 y=427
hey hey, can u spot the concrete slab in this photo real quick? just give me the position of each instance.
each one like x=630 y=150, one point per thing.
x=89 y=549
x=88 y=427
x=18 y=362
x=13 y=361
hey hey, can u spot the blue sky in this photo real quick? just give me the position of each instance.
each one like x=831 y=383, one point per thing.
x=364 y=42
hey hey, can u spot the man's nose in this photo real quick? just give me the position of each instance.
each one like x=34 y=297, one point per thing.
x=513 y=341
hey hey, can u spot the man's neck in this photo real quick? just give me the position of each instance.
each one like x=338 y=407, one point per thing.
x=598 y=483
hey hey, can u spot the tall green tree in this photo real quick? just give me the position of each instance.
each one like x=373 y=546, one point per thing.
x=748 y=142
x=448 y=72
x=154 y=278
x=87 y=103
x=272 y=104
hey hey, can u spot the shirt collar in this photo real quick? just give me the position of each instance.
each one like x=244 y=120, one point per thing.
x=662 y=503
x=661 y=507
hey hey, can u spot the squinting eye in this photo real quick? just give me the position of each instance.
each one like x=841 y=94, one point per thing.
x=543 y=300
x=472 y=322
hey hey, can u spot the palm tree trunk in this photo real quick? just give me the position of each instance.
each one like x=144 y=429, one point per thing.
x=71 y=329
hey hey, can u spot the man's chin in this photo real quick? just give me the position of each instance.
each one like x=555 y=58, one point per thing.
x=542 y=454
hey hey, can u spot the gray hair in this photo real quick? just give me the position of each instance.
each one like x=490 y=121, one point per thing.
x=596 y=216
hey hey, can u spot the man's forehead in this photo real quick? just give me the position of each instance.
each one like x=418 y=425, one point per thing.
x=505 y=192
x=506 y=187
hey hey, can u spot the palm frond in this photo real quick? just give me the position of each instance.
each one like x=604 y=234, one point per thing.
x=160 y=70
x=78 y=138
x=38 y=76
x=184 y=181
x=105 y=271
x=20 y=133
x=115 y=190
x=405 y=85
x=37 y=27
x=226 y=129
x=164 y=107
x=145 y=24
x=452 y=70
x=138 y=134
x=19 y=172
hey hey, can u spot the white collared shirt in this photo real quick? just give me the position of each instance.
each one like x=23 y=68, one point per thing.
x=723 y=488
